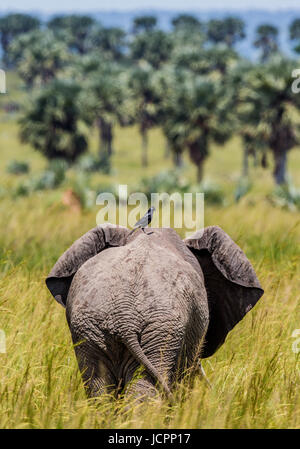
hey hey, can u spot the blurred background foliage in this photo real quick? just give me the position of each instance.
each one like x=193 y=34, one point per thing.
x=72 y=77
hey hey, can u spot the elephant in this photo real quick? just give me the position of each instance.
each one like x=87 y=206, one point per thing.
x=150 y=300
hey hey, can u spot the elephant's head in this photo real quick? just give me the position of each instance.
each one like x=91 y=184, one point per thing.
x=230 y=281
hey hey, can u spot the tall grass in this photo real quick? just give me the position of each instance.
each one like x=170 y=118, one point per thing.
x=254 y=375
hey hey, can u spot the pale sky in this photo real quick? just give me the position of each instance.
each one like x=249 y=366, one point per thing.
x=98 y=5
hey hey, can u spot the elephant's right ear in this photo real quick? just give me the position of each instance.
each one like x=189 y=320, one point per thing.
x=87 y=246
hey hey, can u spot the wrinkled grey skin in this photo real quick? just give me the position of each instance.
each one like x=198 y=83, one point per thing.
x=151 y=300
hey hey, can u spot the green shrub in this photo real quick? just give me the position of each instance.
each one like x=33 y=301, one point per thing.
x=171 y=181
x=87 y=194
x=81 y=187
x=90 y=163
x=242 y=188
x=48 y=179
x=23 y=189
x=213 y=193
x=166 y=181
x=286 y=196
x=59 y=168
x=105 y=164
x=17 y=167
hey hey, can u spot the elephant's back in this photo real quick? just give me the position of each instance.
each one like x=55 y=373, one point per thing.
x=95 y=282
x=133 y=285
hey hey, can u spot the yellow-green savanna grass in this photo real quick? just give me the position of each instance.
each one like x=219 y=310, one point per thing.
x=254 y=375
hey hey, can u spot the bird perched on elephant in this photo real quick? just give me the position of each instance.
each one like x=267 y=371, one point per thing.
x=150 y=299
x=144 y=221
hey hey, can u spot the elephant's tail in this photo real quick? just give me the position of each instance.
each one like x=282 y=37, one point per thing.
x=136 y=350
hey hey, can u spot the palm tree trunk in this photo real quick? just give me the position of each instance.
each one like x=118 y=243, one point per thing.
x=167 y=150
x=200 y=167
x=5 y=45
x=105 y=138
x=102 y=149
x=255 y=157
x=198 y=153
x=280 y=159
x=177 y=158
x=144 y=146
x=245 y=169
x=264 y=160
x=109 y=139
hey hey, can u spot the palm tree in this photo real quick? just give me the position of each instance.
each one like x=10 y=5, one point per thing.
x=103 y=100
x=51 y=122
x=204 y=61
x=197 y=113
x=251 y=140
x=74 y=29
x=266 y=40
x=187 y=22
x=228 y=31
x=295 y=34
x=146 y=100
x=12 y=26
x=110 y=42
x=39 y=56
x=152 y=46
x=269 y=105
x=144 y=24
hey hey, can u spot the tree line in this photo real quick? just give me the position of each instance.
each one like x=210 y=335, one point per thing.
x=189 y=81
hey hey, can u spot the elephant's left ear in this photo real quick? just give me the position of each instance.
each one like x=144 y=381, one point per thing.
x=87 y=246
x=230 y=280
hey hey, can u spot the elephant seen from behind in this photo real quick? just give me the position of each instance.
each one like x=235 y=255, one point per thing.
x=150 y=299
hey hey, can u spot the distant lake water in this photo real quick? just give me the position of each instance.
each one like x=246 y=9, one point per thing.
x=252 y=18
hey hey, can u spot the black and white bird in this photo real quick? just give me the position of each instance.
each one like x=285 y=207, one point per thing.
x=144 y=221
